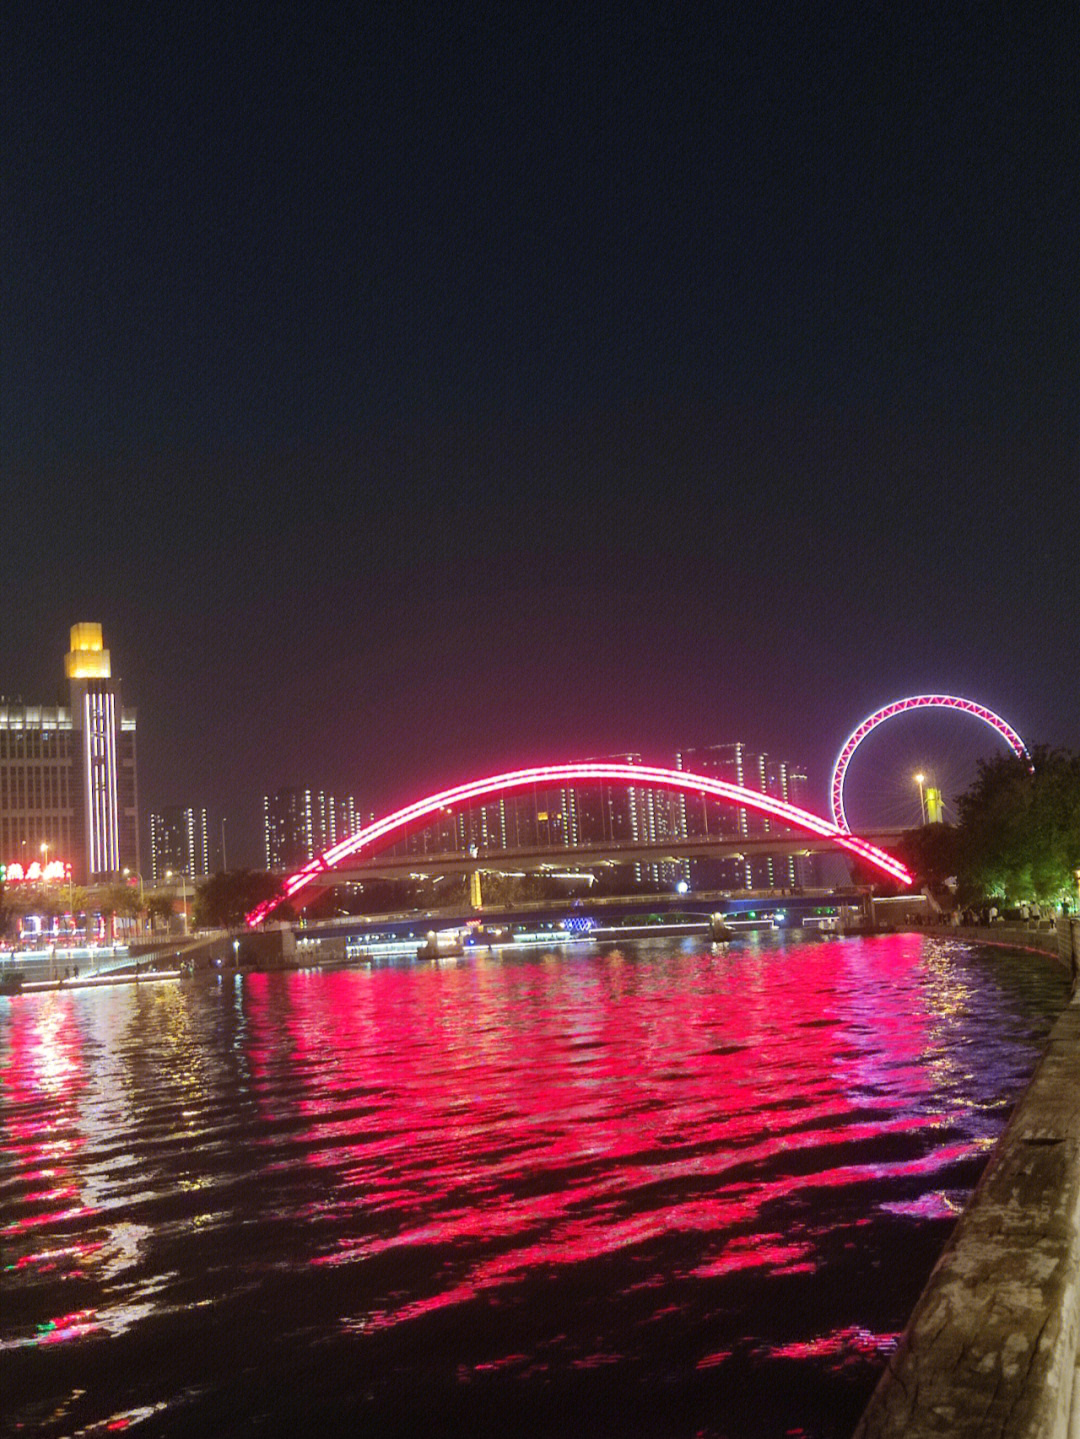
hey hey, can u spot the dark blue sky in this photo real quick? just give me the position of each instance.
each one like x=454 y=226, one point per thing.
x=417 y=391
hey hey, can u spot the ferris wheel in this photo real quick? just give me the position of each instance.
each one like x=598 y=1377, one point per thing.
x=906 y=706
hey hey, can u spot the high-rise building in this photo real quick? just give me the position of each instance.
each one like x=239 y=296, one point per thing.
x=626 y=815
x=299 y=824
x=332 y=819
x=804 y=868
x=179 y=844
x=702 y=817
x=68 y=784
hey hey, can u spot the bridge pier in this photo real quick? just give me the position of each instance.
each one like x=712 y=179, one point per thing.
x=476 y=898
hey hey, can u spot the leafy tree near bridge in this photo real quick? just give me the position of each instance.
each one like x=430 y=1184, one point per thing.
x=933 y=853
x=1018 y=836
x=224 y=900
x=159 y=907
x=116 y=899
x=1020 y=828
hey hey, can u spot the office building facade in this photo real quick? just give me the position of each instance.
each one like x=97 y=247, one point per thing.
x=68 y=779
x=299 y=824
x=704 y=818
x=179 y=844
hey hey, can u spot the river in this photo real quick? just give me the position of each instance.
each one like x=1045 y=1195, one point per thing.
x=671 y=1189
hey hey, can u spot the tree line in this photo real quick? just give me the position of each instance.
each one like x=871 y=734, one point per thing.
x=1017 y=839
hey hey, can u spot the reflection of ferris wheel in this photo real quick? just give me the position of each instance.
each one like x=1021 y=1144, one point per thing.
x=913 y=702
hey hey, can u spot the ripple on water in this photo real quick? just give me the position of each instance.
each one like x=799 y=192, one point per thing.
x=642 y=1192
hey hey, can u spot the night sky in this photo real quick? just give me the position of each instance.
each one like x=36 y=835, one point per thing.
x=417 y=391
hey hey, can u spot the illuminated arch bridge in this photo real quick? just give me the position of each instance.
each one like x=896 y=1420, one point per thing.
x=392 y=827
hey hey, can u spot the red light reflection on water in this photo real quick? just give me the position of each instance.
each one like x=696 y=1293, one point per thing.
x=842 y=1347
x=602 y=1090
x=612 y=1158
x=43 y=1080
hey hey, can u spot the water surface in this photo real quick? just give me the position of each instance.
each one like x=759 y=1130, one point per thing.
x=665 y=1190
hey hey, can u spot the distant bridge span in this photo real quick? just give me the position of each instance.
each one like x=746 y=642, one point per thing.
x=586 y=853
x=391 y=827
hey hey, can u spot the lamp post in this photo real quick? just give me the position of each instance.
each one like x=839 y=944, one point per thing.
x=70 y=878
x=52 y=917
x=920 y=780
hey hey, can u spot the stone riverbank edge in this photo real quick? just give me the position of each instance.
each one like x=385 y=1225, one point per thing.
x=992 y=1346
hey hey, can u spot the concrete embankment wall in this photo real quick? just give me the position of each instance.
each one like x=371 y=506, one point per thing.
x=1062 y=942
x=991 y=1348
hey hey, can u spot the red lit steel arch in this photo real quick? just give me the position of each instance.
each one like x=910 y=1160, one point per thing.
x=913 y=702
x=681 y=781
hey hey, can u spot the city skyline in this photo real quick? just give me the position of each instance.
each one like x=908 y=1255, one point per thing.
x=405 y=397
x=298 y=822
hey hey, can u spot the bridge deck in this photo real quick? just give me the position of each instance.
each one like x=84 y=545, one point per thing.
x=536 y=857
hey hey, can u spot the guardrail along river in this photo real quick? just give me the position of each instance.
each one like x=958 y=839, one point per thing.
x=668 y=1190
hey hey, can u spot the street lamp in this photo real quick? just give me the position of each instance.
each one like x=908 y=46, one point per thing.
x=920 y=780
x=53 y=919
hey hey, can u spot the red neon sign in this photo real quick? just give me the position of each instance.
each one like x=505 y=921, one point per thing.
x=558 y=774
x=36 y=873
x=913 y=702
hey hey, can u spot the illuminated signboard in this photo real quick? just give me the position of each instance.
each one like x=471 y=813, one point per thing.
x=35 y=873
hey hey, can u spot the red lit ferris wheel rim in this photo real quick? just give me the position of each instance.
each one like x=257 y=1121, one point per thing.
x=391 y=827
x=911 y=702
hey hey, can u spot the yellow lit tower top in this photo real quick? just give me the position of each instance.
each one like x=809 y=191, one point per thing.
x=87 y=659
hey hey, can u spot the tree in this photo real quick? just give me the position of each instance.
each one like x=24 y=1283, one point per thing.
x=117 y=899
x=159 y=906
x=1020 y=828
x=225 y=899
x=48 y=900
x=7 y=911
x=932 y=853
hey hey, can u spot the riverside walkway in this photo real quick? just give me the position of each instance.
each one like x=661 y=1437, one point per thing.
x=992 y=1346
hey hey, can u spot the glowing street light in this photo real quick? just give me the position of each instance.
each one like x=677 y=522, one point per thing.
x=920 y=780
